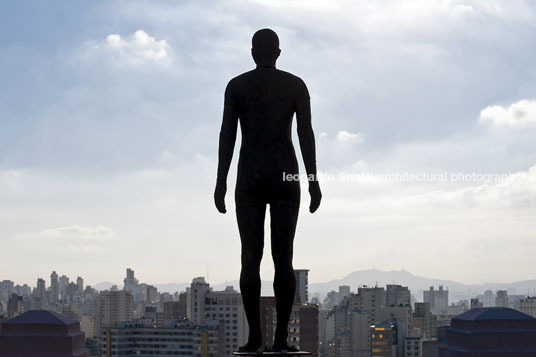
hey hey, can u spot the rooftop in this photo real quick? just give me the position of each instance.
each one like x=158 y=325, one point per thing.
x=493 y=313
x=44 y=317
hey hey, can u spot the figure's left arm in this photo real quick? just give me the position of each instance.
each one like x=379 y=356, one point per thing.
x=307 y=145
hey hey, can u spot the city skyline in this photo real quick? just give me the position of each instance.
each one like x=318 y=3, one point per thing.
x=365 y=322
x=353 y=280
x=98 y=172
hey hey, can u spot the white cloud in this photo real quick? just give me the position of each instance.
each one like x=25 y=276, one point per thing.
x=345 y=136
x=135 y=50
x=77 y=232
x=520 y=114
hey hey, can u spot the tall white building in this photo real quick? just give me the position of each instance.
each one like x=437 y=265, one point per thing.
x=111 y=307
x=196 y=302
x=205 y=305
x=438 y=300
x=227 y=308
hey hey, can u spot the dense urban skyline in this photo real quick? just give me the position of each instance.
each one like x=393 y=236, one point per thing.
x=98 y=172
x=358 y=321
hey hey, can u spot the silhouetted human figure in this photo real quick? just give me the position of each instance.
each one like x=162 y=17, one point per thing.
x=265 y=100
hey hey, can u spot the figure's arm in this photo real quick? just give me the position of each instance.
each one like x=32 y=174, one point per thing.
x=307 y=145
x=225 y=154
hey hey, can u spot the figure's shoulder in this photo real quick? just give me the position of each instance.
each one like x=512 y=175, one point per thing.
x=241 y=78
x=294 y=83
x=291 y=77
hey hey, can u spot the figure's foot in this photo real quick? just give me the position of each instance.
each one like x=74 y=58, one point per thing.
x=284 y=347
x=251 y=347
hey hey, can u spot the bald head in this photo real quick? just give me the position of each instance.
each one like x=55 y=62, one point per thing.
x=265 y=46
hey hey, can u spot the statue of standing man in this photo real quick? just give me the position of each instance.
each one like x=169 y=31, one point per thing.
x=264 y=100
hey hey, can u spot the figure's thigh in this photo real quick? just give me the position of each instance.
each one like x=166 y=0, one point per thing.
x=251 y=228
x=283 y=220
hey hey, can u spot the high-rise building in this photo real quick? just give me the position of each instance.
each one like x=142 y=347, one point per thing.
x=6 y=289
x=501 y=299
x=488 y=299
x=54 y=288
x=528 y=306
x=347 y=326
x=111 y=307
x=302 y=327
x=424 y=320
x=197 y=291
x=40 y=295
x=302 y=276
x=403 y=318
x=372 y=299
x=63 y=283
x=224 y=306
x=130 y=282
x=15 y=306
x=438 y=300
x=398 y=295
x=267 y=315
x=80 y=285
x=227 y=308
x=360 y=333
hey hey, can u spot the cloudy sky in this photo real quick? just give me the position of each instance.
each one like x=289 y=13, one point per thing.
x=110 y=114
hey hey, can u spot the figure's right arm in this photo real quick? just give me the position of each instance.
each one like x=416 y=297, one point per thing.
x=226 y=147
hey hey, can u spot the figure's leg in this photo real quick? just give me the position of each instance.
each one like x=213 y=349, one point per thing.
x=284 y=216
x=251 y=228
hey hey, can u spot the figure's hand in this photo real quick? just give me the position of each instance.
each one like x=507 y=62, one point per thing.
x=316 y=196
x=219 y=196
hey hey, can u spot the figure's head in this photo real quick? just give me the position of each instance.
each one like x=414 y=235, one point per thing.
x=265 y=46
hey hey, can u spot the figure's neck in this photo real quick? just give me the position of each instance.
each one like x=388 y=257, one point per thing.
x=266 y=64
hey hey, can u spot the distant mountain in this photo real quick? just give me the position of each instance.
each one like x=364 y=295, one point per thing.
x=417 y=284
x=172 y=287
x=372 y=277
x=266 y=287
x=105 y=285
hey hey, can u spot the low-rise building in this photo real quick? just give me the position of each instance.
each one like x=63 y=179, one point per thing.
x=181 y=337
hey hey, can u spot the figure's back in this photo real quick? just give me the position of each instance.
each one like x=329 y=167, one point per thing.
x=265 y=99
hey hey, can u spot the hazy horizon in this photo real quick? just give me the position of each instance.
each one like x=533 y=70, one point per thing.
x=119 y=283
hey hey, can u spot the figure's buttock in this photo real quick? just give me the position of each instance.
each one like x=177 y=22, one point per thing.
x=257 y=189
